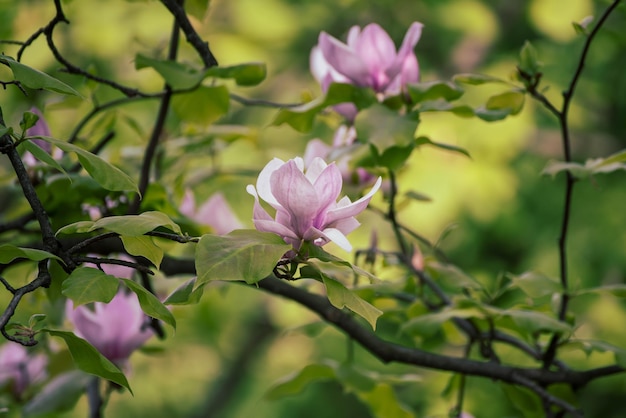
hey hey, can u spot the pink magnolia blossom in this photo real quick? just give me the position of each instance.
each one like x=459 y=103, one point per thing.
x=306 y=203
x=116 y=329
x=215 y=212
x=19 y=369
x=368 y=59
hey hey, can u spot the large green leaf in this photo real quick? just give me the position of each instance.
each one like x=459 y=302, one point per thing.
x=297 y=382
x=185 y=294
x=340 y=297
x=136 y=225
x=177 y=75
x=243 y=254
x=41 y=155
x=537 y=285
x=247 y=74
x=10 y=252
x=89 y=360
x=36 y=79
x=143 y=246
x=510 y=101
x=477 y=79
x=150 y=304
x=88 y=284
x=107 y=175
x=202 y=106
x=435 y=90
x=301 y=117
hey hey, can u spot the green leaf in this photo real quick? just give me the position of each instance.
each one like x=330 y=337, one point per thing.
x=394 y=157
x=185 y=294
x=536 y=285
x=384 y=403
x=215 y=102
x=491 y=115
x=451 y=277
x=581 y=27
x=297 y=382
x=477 y=79
x=301 y=117
x=150 y=304
x=429 y=324
x=136 y=225
x=588 y=346
x=197 y=8
x=248 y=74
x=29 y=119
x=79 y=227
x=176 y=74
x=577 y=170
x=10 y=252
x=463 y=111
x=510 y=101
x=435 y=90
x=243 y=254
x=525 y=401
x=36 y=79
x=530 y=322
x=528 y=60
x=423 y=140
x=143 y=246
x=107 y=175
x=384 y=128
x=59 y=395
x=89 y=360
x=340 y=297
x=88 y=284
x=355 y=379
x=41 y=155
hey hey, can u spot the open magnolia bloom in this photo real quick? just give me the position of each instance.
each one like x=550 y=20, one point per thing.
x=115 y=329
x=306 y=203
x=19 y=370
x=368 y=59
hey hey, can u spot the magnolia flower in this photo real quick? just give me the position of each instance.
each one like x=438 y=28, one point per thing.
x=115 y=329
x=215 y=212
x=20 y=369
x=369 y=59
x=306 y=203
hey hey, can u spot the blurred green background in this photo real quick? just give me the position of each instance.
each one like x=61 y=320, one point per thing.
x=498 y=212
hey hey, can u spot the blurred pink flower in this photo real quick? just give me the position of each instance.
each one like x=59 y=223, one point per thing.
x=369 y=59
x=340 y=152
x=306 y=203
x=116 y=329
x=19 y=369
x=39 y=129
x=215 y=212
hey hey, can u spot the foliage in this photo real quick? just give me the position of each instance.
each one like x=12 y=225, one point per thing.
x=425 y=320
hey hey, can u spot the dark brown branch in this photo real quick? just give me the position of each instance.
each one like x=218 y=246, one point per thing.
x=157 y=130
x=563 y=115
x=201 y=47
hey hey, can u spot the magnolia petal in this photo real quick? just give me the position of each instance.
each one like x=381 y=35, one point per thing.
x=343 y=59
x=354 y=208
x=188 y=205
x=328 y=186
x=377 y=51
x=338 y=238
x=296 y=194
x=408 y=44
x=274 y=227
x=263 y=184
x=345 y=225
x=353 y=36
x=315 y=148
x=315 y=168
